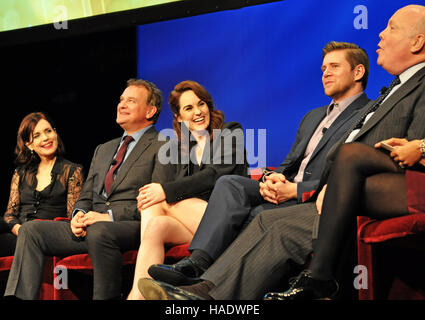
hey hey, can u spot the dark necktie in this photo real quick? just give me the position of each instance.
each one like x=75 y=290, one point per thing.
x=109 y=179
x=377 y=103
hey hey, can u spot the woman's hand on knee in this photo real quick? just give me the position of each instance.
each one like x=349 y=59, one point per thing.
x=149 y=195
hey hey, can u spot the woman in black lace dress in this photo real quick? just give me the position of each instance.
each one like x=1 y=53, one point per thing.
x=44 y=184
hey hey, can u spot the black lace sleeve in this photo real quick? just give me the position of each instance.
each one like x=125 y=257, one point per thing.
x=12 y=212
x=75 y=184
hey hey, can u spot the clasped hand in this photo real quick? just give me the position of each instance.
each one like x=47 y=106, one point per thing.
x=81 y=221
x=277 y=189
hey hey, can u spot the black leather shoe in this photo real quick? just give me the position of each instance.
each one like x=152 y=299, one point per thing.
x=183 y=273
x=304 y=287
x=157 y=290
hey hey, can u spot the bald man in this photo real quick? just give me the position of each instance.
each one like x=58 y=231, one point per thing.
x=277 y=240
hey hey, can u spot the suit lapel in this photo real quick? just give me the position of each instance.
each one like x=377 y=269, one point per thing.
x=350 y=112
x=312 y=128
x=299 y=153
x=386 y=107
x=106 y=164
x=144 y=142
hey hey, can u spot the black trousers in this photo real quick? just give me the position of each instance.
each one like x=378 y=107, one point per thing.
x=234 y=202
x=104 y=242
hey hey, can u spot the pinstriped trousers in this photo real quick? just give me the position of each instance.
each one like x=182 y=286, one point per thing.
x=265 y=253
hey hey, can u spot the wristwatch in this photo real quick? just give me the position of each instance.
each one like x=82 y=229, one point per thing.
x=422 y=147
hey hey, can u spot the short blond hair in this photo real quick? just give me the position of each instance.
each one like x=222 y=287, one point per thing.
x=354 y=55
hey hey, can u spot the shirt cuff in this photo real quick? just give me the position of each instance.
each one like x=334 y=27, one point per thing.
x=111 y=216
x=75 y=211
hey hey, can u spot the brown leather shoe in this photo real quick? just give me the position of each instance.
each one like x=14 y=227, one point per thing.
x=156 y=290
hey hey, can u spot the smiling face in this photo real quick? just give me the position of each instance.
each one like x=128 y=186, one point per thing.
x=193 y=111
x=44 y=140
x=339 y=79
x=133 y=111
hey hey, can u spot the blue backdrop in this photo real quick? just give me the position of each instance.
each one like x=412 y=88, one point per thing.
x=262 y=63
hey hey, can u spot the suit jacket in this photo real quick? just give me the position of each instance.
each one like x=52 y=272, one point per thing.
x=316 y=164
x=219 y=159
x=402 y=115
x=141 y=167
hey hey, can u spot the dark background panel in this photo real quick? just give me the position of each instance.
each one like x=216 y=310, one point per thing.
x=77 y=81
x=259 y=59
x=77 y=75
x=261 y=63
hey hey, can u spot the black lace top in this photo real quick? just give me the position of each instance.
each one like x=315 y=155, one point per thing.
x=56 y=200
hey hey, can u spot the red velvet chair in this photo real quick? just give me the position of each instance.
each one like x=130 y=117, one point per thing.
x=82 y=263
x=257 y=173
x=46 y=289
x=5 y=263
x=393 y=250
x=46 y=292
x=79 y=262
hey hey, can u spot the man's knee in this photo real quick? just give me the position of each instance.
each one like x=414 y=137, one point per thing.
x=99 y=232
x=229 y=180
x=123 y=235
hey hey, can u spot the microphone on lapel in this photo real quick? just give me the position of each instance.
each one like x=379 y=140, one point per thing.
x=324 y=130
x=383 y=89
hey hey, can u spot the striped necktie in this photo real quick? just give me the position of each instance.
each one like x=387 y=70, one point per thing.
x=377 y=103
x=109 y=179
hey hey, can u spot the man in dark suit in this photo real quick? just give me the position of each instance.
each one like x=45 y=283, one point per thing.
x=105 y=220
x=278 y=240
x=236 y=200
